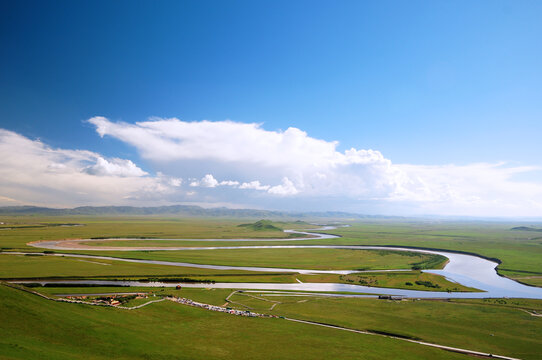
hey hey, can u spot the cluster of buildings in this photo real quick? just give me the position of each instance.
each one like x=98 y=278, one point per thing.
x=113 y=300
x=391 y=297
x=219 y=308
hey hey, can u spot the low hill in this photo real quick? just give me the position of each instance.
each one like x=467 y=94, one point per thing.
x=526 y=228
x=261 y=225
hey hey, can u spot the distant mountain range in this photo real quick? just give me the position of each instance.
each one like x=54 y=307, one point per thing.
x=179 y=210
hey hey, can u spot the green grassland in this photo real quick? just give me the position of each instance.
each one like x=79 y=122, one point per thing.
x=320 y=259
x=497 y=330
x=24 y=266
x=529 y=280
x=33 y=327
x=412 y=280
x=500 y=326
x=483 y=325
x=171 y=243
x=17 y=231
x=519 y=251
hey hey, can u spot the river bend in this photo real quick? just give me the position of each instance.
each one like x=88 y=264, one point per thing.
x=469 y=270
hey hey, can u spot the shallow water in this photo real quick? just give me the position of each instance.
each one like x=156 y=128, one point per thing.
x=468 y=270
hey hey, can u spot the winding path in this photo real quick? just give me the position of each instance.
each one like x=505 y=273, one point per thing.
x=222 y=309
x=442 y=347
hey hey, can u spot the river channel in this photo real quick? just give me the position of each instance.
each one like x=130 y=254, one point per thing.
x=469 y=270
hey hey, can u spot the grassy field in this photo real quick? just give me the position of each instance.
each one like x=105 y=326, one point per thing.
x=530 y=280
x=25 y=266
x=36 y=328
x=17 y=231
x=494 y=329
x=33 y=327
x=500 y=326
x=321 y=259
x=495 y=326
x=412 y=280
x=519 y=251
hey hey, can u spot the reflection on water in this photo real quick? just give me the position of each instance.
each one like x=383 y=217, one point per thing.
x=464 y=269
x=468 y=270
x=326 y=287
x=80 y=244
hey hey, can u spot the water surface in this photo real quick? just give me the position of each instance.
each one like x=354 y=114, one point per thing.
x=468 y=270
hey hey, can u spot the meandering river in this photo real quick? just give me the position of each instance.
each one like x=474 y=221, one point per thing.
x=468 y=270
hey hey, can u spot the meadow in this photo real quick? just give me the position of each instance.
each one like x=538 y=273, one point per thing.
x=518 y=250
x=319 y=259
x=37 y=328
x=496 y=326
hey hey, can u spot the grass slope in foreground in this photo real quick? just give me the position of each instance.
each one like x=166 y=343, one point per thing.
x=499 y=326
x=36 y=328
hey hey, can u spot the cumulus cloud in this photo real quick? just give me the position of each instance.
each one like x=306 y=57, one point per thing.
x=311 y=165
x=172 y=139
x=209 y=181
x=176 y=182
x=114 y=167
x=286 y=188
x=227 y=162
x=229 y=183
x=290 y=163
x=254 y=185
x=206 y=181
x=33 y=173
x=477 y=189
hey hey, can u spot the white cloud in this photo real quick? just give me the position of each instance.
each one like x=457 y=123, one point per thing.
x=229 y=183
x=286 y=188
x=293 y=163
x=172 y=139
x=207 y=181
x=176 y=182
x=169 y=180
x=114 y=167
x=34 y=173
x=254 y=185
x=5 y=199
x=233 y=163
x=477 y=189
x=312 y=165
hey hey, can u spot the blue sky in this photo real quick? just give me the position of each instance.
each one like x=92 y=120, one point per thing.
x=424 y=83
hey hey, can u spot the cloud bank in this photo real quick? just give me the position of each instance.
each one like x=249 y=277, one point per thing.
x=34 y=173
x=238 y=163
